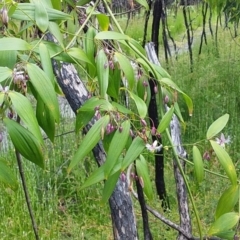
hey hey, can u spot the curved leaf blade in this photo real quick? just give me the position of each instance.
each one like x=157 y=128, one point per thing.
x=198 y=164
x=41 y=16
x=165 y=121
x=89 y=141
x=24 y=109
x=5 y=73
x=217 y=126
x=43 y=86
x=225 y=161
x=111 y=35
x=10 y=44
x=227 y=201
x=25 y=142
x=224 y=223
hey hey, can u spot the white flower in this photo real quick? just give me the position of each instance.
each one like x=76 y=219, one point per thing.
x=222 y=140
x=154 y=148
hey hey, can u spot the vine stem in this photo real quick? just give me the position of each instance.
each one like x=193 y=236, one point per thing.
x=83 y=25
x=25 y=190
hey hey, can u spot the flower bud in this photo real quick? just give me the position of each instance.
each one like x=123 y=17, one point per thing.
x=4 y=16
x=120 y=129
x=145 y=83
x=123 y=177
x=155 y=89
x=143 y=122
x=166 y=99
x=153 y=131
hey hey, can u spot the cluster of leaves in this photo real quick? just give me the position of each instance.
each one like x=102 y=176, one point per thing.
x=120 y=89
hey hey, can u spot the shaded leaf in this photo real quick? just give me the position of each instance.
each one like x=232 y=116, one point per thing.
x=165 y=121
x=55 y=30
x=142 y=171
x=198 y=164
x=25 y=142
x=127 y=68
x=93 y=136
x=225 y=161
x=102 y=72
x=227 y=201
x=217 y=126
x=83 y=118
x=109 y=186
x=8 y=59
x=7 y=176
x=83 y=2
x=143 y=3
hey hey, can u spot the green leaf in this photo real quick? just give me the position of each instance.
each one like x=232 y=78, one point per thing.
x=43 y=86
x=25 y=142
x=26 y=11
x=217 y=126
x=103 y=21
x=95 y=102
x=140 y=104
x=116 y=147
x=109 y=186
x=96 y=177
x=229 y=235
x=10 y=44
x=45 y=119
x=55 y=30
x=93 y=136
x=41 y=16
x=224 y=223
x=115 y=79
x=83 y=2
x=133 y=152
x=111 y=35
x=198 y=164
x=24 y=109
x=78 y=54
x=165 y=120
x=83 y=118
x=102 y=72
x=5 y=73
x=225 y=161
x=46 y=62
x=127 y=68
x=8 y=59
x=144 y=4
x=6 y=175
x=142 y=171
x=120 y=108
x=227 y=201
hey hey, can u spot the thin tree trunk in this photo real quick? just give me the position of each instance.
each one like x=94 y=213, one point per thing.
x=203 y=36
x=123 y=220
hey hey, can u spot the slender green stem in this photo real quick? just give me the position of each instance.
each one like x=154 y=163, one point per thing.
x=83 y=25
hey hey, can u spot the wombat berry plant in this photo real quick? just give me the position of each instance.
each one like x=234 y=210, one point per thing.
x=118 y=98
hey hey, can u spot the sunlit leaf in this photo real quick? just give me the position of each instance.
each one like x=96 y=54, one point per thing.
x=102 y=72
x=8 y=59
x=79 y=54
x=93 y=136
x=142 y=171
x=103 y=21
x=127 y=68
x=121 y=108
x=133 y=152
x=217 y=126
x=116 y=147
x=24 y=109
x=5 y=73
x=43 y=86
x=224 y=223
x=55 y=30
x=109 y=186
x=9 y=43
x=7 y=176
x=227 y=201
x=143 y=3
x=165 y=121
x=25 y=142
x=41 y=16
x=198 y=164
x=225 y=161
x=111 y=35
x=228 y=235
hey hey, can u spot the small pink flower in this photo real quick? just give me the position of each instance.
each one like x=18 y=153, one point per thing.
x=206 y=156
x=222 y=140
x=154 y=147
